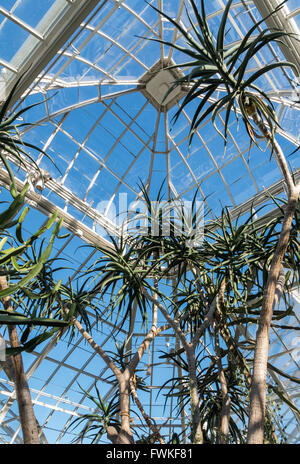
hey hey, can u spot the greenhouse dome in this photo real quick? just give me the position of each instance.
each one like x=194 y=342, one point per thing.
x=102 y=320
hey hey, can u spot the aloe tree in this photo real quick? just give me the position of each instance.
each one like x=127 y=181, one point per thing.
x=16 y=269
x=243 y=255
x=162 y=255
x=229 y=272
x=219 y=285
x=120 y=269
x=210 y=392
x=213 y=66
x=16 y=272
x=228 y=275
x=70 y=305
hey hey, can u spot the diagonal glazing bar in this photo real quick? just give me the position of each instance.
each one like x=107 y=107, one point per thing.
x=59 y=24
x=21 y=23
x=291 y=47
x=47 y=207
x=87 y=40
x=75 y=106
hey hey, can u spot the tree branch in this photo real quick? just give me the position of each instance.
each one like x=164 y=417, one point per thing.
x=174 y=324
x=97 y=348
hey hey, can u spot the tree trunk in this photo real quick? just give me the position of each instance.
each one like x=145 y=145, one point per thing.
x=123 y=378
x=226 y=402
x=125 y=435
x=225 y=411
x=259 y=377
x=197 y=436
x=26 y=413
x=149 y=421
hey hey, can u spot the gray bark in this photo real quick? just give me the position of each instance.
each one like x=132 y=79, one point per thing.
x=259 y=377
x=26 y=413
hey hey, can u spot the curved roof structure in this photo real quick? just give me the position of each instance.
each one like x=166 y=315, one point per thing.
x=103 y=119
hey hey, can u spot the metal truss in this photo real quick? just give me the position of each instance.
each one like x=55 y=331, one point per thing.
x=39 y=49
x=52 y=48
x=282 y=20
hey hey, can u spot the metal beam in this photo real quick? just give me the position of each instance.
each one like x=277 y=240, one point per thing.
x=46 y=82
x=260 y=198
x=21 y=23
x=78 y=228
x=35 y=54
x=281 y=20
x=42 y=204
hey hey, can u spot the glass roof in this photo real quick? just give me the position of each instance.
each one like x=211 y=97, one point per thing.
x=86 y=63
x=105 y=134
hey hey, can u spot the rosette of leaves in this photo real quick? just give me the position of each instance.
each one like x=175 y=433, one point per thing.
x=11 y=143
x=96 y=423
x=213 y=66
x=21 y=268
